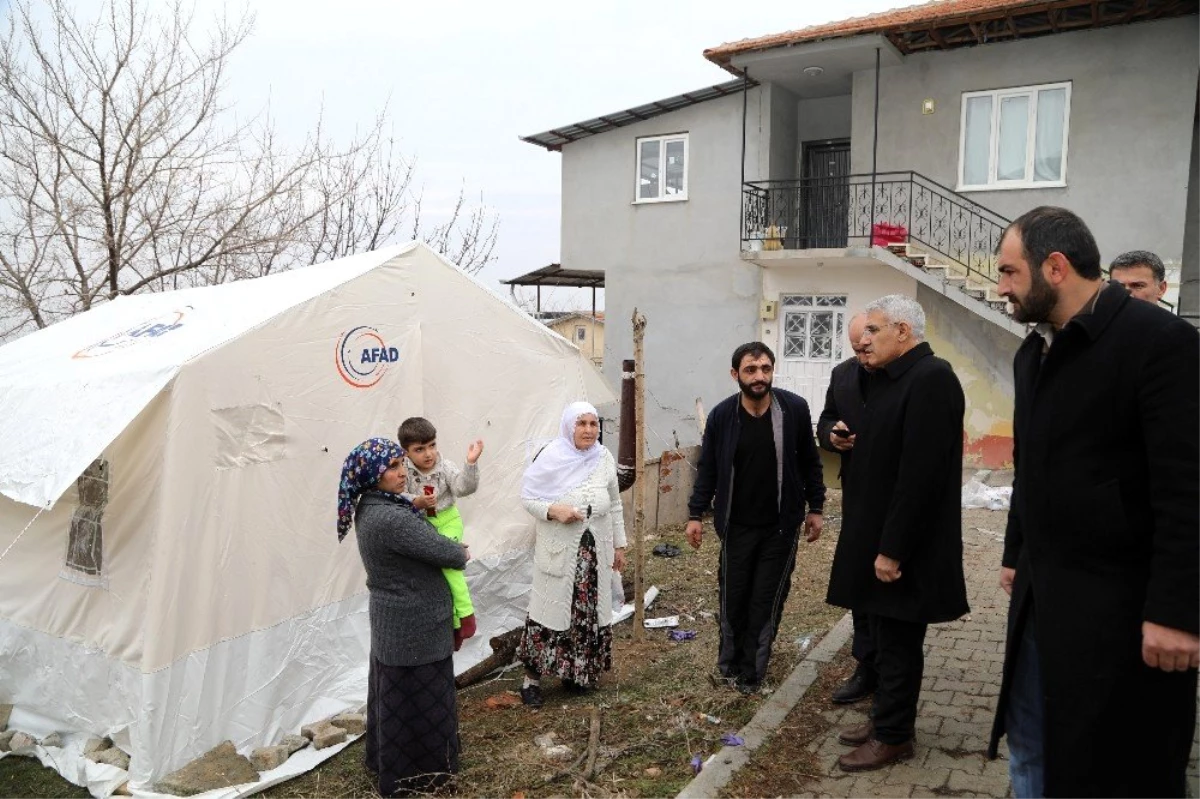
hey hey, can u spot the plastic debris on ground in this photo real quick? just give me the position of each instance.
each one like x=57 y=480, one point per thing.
x=681 y=635
x=729 y=739
x=976 y=494
x=697 y=765
x=804 y=642
x=661 y=621
x=666 y=550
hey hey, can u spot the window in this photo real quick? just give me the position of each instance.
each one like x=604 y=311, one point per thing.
x=661 y=169
x=1015 y=138
x=581 y=333
x=813 y=325
x=84 y=562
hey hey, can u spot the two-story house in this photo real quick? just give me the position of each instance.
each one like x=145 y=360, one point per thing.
x=747 y=210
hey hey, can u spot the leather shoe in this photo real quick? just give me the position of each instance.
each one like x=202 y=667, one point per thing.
x=857 y=736
x=860 y=685
x=875 y=754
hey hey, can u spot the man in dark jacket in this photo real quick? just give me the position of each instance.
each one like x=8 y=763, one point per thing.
x=759 y=460
x=899 y=557
x=836 y=428
x=1101 y=550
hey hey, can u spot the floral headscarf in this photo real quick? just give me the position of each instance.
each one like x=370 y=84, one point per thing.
x=361 y=470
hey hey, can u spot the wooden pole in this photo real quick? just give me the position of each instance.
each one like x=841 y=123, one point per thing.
x=639 y=483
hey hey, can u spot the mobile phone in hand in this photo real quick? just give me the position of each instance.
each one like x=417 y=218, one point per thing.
x=841 y=433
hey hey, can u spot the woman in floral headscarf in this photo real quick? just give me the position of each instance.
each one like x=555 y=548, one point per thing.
x=412 y=717
x=571 y=489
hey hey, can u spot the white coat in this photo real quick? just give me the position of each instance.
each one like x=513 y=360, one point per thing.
x=556 y=546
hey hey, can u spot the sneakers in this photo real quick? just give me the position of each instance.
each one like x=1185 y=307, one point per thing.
x=531 y=696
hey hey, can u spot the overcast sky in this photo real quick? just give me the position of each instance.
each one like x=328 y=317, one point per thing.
x=465 y=79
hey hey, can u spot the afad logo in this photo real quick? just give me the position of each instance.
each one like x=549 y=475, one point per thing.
x=149 y=329
x=362 y=358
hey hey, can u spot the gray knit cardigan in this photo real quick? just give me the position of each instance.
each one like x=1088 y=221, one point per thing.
x=410 y=603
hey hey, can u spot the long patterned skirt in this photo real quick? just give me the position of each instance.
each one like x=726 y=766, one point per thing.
x=412 y=744
x=582 y=652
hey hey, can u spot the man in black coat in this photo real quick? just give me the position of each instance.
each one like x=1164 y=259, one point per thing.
x=1101 y=550
x=836 y=432
x=899 y=557
x=764 y=437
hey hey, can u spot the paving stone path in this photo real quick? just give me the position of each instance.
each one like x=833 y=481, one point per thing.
x=963 y=663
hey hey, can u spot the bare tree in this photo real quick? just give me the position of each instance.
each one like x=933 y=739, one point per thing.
x=122 y=169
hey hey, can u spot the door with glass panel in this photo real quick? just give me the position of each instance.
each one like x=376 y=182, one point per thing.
x=811 y=343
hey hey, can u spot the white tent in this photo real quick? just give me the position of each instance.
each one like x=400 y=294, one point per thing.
x=188 y=587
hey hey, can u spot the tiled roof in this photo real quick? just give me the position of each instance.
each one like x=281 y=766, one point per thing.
x=943 y=24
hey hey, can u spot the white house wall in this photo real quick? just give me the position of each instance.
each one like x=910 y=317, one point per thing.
x=1133 y=97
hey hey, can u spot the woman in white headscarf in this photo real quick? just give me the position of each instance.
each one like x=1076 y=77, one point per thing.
x=571 y=489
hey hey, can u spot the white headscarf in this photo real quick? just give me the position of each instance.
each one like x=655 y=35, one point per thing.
x=560 y=466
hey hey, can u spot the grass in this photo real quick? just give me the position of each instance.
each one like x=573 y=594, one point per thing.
x=658 y=707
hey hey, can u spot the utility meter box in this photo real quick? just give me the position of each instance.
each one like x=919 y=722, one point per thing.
x=768 y=310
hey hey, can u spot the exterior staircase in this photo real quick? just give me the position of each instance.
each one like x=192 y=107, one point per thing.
x=973 y=284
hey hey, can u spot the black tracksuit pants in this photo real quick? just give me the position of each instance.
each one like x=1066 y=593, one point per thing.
x=755 y=574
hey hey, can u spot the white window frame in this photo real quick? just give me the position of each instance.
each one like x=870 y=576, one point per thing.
x=994 y=138
x=662 y=169
x=807 y=306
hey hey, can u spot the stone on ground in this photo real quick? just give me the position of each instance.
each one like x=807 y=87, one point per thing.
x=220 y=767
x=266 y=758
x=5 y=737
x=352 y=723
x=328 y=735
x=21 y=743
x=113 y=757
x=53 y=739
x=294 y=743
x=94 y=745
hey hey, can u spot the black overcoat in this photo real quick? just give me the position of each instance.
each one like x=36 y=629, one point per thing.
x=1103 y=533
x=905 y=489
x=843 y=403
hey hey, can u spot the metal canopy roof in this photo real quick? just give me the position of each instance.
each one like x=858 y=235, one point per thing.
x=555 y=275
x=556 y=138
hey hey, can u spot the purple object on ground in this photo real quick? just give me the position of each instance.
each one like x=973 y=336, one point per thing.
x=681 y=635
x=696 y=764
x=729 y=739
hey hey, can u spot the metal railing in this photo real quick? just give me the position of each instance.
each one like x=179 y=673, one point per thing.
x=808 y=213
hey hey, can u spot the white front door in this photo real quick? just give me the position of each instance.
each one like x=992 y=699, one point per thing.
x=810 y=344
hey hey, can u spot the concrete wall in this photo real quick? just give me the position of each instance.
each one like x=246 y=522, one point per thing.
x=981 y=354
x=822 y=119
x=1131 y=122
x=678 y=263
x=784 y=123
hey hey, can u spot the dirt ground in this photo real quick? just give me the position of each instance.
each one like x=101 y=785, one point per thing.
x=658 y=707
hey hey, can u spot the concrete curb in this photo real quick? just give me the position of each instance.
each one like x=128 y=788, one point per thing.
x=720 y=768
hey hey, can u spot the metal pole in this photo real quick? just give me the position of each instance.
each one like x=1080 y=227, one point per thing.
x=539 y=299
x=742 y=187
x=593 y=324
x=874 y=150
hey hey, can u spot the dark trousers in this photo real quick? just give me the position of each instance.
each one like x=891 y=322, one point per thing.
x=863 y=646
x=900 y=663
x=755 y=574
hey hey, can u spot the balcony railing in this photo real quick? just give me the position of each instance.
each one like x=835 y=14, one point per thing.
x=843 y=211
